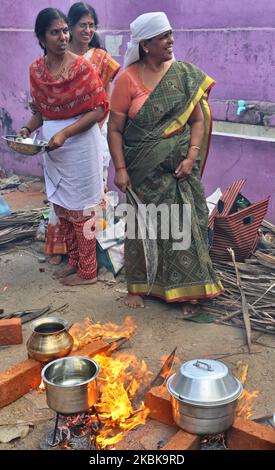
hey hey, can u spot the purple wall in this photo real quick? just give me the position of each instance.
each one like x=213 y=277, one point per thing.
x=231 y=40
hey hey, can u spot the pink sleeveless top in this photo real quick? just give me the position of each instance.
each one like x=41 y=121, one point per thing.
x=129 y=93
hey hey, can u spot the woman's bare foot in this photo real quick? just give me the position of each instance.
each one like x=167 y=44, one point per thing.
x=189 y=309
x=55 y=260
x=65 y=271
x=75 y=280
x=134 y=301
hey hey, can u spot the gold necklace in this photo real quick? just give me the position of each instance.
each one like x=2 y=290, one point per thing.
x=59 y=71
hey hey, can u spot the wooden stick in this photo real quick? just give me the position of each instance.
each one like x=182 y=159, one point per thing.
x=271 y=287
x=244 y=302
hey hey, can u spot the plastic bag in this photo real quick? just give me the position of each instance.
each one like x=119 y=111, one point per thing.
x=53 y=219
x=41 y=231
x=110 y=239
x=213 y=199
x=4 y=208
x=105 y=212
x=112 y=258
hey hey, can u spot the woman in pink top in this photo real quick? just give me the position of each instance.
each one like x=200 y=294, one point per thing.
x=158 y=136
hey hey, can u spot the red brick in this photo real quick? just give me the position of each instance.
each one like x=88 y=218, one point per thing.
x=91 y=349
x=19 y=380
x=247 y=435
x=11 y=331
x=158 y=400
x=182 y=441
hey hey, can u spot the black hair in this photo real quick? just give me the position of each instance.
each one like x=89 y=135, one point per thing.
x=76 y=12
x=44 y=20
x=141 y=51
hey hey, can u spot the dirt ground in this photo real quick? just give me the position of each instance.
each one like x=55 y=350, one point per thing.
x=160 y=328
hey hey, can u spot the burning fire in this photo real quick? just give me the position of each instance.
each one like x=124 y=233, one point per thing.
x=246 y=400
x=168 y=367
x=87 y=331
x=41 y=387
x=121 y=380
x=245 y=403
x=119 y=408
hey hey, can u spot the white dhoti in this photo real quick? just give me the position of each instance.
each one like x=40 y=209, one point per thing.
x=74 y=172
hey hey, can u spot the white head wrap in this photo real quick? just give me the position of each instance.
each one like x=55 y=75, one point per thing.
x=143 y=27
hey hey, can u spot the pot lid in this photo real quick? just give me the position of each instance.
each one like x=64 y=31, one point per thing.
x=204 y=382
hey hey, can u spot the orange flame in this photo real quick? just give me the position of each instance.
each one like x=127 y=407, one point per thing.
x=41 y=387
x=246 y=400
x=245 y=403
x=87 y=331
x=167 y=369
x=120 y=378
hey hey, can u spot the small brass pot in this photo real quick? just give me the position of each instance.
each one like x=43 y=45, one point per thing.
x=49 y=340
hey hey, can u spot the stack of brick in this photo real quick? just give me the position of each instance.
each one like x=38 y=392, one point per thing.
x=243 y=435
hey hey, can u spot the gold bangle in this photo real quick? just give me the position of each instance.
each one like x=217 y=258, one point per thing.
x=194 y=147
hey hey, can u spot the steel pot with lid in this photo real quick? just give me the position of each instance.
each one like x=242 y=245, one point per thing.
x=204 y=396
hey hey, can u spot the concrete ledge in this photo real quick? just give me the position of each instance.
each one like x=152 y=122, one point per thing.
x=243 y=131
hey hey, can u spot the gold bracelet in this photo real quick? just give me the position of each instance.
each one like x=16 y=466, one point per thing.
x=194 y=147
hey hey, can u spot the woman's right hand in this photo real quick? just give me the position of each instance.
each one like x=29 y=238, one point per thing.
x=122 y=179
x=57 y=140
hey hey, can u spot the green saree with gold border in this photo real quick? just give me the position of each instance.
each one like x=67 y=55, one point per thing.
x=155 y=142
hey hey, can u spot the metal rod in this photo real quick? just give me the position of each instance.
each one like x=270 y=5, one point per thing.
x=96 y=413
x=55 y=428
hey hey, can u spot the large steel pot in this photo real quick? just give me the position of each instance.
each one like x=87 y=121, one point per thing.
x=71 y=384
x=49 y=340
x=204 y=396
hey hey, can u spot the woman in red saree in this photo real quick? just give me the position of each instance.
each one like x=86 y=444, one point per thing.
x=69 y=100
x=84 y=40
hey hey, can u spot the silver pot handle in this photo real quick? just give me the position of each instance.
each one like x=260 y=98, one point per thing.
x=208 y=367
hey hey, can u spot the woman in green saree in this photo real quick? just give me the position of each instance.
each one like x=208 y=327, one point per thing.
x=158 y=135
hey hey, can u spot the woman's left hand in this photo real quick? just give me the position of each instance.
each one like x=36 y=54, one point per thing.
x=184 y=169
x=57 y=140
